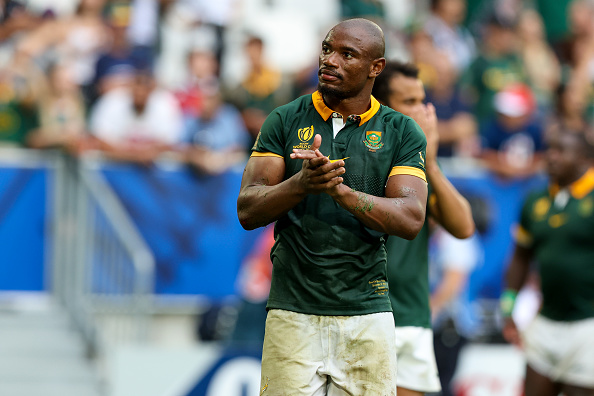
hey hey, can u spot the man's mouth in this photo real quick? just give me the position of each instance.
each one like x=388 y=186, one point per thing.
x=328 y=75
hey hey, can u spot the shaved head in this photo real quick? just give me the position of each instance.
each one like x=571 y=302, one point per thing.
x=367 y=31
x=352 y=57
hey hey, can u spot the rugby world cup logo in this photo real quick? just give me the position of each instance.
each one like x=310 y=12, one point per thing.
x=305 y=134
x=373 y=140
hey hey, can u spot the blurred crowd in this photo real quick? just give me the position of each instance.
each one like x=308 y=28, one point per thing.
x=140 y=78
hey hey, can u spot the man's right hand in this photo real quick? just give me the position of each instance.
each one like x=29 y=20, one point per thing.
x=318 y=174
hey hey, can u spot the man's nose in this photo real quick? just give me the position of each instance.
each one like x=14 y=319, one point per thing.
x=329 y=59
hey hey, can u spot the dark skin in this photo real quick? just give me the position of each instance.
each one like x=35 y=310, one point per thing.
x=351 y=58
x=566 y=162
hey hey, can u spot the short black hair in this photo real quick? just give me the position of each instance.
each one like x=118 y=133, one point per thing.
x=381 y=87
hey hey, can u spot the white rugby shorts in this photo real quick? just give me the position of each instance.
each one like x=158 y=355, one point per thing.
x=561 y=351
x=312 y=355
x=417 y=369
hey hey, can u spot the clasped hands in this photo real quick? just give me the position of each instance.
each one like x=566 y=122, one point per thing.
x=318 y=174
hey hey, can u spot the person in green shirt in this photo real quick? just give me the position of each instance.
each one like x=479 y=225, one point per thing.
x=400 y=88
x=337 y=172
x=496 y=67
x=556 y=232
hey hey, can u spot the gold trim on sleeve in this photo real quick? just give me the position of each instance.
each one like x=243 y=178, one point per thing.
x=258 y=154
x=408 y=170
x=522 y=236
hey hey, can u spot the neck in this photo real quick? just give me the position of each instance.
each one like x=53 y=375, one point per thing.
x=581 y=171
x=346 y=106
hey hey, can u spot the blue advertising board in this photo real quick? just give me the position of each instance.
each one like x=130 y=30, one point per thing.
x=22 y=228
x=190 y=223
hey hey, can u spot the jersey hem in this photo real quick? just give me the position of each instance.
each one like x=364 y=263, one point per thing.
x=329 y=310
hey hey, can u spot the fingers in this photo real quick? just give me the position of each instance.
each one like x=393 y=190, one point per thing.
x=318 y=161
x=321 y=177
x=313 y=152
x=316 y=143
x=327 y=166
x=306 y=154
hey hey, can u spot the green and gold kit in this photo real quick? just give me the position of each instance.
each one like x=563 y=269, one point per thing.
x=325 y=261
x=559 y=227
x=408 y=277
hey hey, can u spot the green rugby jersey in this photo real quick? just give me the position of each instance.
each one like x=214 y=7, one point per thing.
x=562 y=237
x=325 y=261
x=408 y=278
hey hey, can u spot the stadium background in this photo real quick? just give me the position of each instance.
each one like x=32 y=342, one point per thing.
x=121 y=278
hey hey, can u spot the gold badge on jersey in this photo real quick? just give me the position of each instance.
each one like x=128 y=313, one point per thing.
x=557 y=220
x=541 y=208
x=373 y=140
x=305 y=135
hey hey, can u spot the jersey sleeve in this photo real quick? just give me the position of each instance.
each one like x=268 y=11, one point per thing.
x=522 y=231
x=270 y=140
x=410 y=159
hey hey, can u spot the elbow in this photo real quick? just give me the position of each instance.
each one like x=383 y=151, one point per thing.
x=244 y=217
x=246 y=221
x=465 y=232
x=412 y=229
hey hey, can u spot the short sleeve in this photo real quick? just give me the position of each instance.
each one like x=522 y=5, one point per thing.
x=410 y=159
x=522 y=231
x=270 y=140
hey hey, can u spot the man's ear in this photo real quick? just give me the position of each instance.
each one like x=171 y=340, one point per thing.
x=377 y=66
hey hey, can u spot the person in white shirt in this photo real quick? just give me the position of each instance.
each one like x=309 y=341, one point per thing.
x=137 y=124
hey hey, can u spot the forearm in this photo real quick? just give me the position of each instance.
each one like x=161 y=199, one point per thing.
x=450 y=208
x=402 y=217
x=518 y=270
x=260 y=204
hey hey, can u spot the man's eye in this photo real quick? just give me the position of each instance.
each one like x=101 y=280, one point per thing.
x=348 y=55
x=325 y=50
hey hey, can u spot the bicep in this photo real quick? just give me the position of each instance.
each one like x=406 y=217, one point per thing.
x=407 y=186
x=267 y=170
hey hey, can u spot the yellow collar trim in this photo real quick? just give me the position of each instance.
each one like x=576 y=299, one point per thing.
x=326 y=112
x=579 y=188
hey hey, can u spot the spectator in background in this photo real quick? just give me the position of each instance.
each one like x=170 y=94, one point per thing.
x=15 y=18
x=458 y=130
x=137 y=124
x=556 y=229
x=513 y=139
x=432 y=62
x=579 y=69
x=115 y=67
x=77 y=40
x=496 y=66
x=543 y=70
x=210 y=20
x=62 y=112
x=573 y=48
x=448 y=35
x=203 y=75
x=21 y=83
x=262 y=90
x=569 y=108
x=217 y=139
